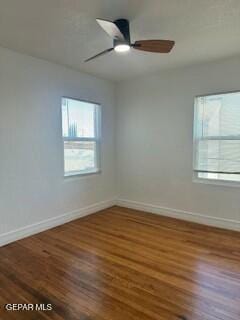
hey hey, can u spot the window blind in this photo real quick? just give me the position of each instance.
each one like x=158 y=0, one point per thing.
x=217 y=134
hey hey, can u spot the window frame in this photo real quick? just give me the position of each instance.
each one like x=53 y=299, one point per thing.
x=96 y=139
x=195 y=175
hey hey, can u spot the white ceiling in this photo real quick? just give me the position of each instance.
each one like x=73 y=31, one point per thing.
x=65 y=31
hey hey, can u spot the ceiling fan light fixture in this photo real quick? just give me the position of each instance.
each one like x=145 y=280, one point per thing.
x=119 y=31
x=123 y=47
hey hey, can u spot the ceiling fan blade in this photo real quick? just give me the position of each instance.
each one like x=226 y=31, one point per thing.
x=111 y=29
x=159 y=46
x=99 y=54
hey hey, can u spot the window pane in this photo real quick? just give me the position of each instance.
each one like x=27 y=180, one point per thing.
x=218 y=115
x=78 y=118
x=217 y=136
x=79 y=157
x=218 y=155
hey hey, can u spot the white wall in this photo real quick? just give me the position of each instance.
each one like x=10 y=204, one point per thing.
x=154 y=143
x=155 y=124
x=32 y=187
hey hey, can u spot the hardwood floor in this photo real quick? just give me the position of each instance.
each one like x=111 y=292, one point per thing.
x=122 y=264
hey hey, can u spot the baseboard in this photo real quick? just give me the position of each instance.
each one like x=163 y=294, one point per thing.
x=29 y=230
x=181 y=214
x=32 y=229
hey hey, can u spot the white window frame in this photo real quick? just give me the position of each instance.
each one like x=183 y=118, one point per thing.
x=212 y=181
x=96 y=139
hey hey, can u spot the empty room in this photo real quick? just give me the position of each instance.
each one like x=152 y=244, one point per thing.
x=120 y=159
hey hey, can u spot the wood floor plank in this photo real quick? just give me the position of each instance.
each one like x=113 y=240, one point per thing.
x=124 y=264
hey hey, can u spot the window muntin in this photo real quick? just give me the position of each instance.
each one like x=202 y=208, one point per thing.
x=217 y=137
x=81 y=136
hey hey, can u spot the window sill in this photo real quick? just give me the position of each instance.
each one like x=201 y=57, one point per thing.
x=216 y=182
x=83 y=174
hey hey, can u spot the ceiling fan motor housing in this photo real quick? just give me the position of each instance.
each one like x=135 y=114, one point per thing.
x=123 y=25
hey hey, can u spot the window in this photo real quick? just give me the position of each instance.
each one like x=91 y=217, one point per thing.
x=217 y=137
x=81 y=136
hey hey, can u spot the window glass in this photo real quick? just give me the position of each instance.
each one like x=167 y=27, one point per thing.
x=217 y=137
x=80 y=130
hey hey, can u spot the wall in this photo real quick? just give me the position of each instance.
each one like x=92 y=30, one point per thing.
x=33 y=191
x=154 y=145
x=155 y=124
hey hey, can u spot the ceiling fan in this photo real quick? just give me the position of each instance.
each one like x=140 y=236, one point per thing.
x=119 y=31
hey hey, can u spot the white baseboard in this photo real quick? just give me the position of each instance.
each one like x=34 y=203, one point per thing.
x=32 y=229
x=181 y=214
x=29 y=230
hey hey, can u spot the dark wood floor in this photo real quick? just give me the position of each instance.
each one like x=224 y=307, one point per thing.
x=122 y=264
